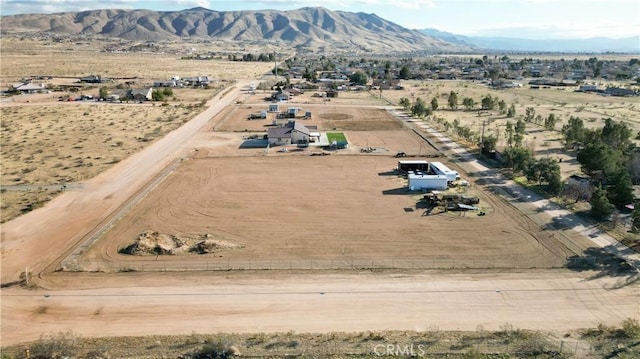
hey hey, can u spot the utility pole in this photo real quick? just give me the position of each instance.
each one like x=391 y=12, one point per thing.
x=482 y=138
x=275 y=59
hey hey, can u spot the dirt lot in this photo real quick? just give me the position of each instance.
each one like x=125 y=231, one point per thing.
x=326 y=117
x=239 y=196
x=315 y=208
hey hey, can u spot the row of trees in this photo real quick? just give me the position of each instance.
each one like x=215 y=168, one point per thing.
x=609 y=157
x=544 y=171
x=270 y=57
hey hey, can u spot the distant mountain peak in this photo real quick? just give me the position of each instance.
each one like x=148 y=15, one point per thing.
x=309 y=27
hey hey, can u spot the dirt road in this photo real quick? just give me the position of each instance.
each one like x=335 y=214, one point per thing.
x=324 y=302
x=48 y=232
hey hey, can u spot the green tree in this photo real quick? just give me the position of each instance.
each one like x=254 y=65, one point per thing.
x=405 y=103
x=405 y=72
x=616 y=134
x=167 y=91
x=489 y=143
x=468 y=103
x=104 y=93
x=517 y=158
x=621 y=190
x=434 y=106
x=502 y=106
x=599 y=160
x=520 y=130
x=530 y=114
x=550 y=122
x=548 y=171
x=453 y=100
x=573 y=131
x=157 y=95
x=419 y=108
x=488 y=103
x=601 y=208
x=512 y=111
x=508 y=133
x=359 y=78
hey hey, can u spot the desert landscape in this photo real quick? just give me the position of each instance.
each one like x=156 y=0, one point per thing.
x=183 y=223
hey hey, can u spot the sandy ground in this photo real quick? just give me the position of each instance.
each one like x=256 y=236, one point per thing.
x=297 y=207
x=135 y=304
x=49 y=231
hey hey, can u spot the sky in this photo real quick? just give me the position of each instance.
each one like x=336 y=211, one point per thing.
x=532 y=19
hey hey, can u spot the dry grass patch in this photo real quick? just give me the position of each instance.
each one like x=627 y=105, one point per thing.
x=28 y=57
x=59 y=143
x=383 y=344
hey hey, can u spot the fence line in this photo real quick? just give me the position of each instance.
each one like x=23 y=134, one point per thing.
x=156 y=264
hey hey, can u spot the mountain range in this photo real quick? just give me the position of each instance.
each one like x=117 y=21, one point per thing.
x=312 y=27
x=590 y=45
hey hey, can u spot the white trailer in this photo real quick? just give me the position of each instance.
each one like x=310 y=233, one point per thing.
x=420 y=181
x=441 y=169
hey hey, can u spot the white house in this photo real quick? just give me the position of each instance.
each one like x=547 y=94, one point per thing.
x=292 y=133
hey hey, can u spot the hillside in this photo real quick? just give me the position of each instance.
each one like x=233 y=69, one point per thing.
x=315 y=28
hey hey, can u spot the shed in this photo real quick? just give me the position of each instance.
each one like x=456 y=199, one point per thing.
x=274 y=108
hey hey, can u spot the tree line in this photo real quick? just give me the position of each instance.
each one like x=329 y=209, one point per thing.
x=607 y=155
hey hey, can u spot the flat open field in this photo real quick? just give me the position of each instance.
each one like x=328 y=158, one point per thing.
x=326 y=117
x=46 y=142
x=30 y=57
x=59 y=143
x=305 y=208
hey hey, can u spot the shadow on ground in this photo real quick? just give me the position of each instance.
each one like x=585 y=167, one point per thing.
x=254 y=143
x=604 y=264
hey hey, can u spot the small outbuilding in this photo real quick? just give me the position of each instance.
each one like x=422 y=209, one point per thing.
x=418 y=181
x=405 y=166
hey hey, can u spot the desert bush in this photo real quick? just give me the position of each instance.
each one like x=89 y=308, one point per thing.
x=631 y=328
x=217 y=349
x=54 y=346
